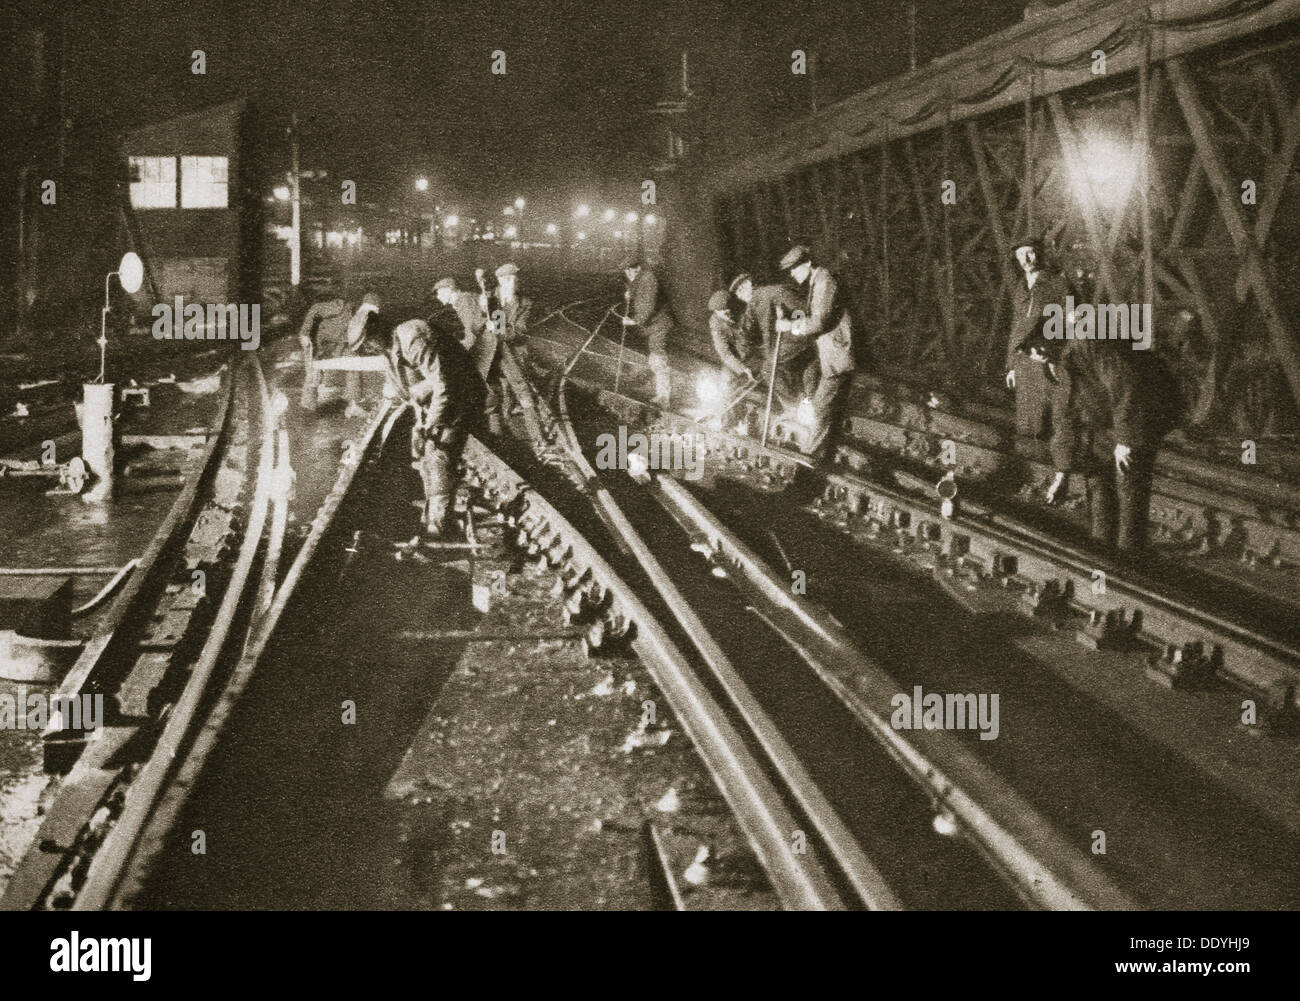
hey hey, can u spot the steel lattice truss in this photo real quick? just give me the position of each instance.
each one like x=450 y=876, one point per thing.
x=931 y=282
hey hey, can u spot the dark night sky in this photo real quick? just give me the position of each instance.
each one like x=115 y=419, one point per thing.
x=388 y=90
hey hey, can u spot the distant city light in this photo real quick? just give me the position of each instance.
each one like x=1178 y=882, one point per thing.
x=421 y=184
x=650 y=220
x=519 y=204
x=550 y=229
x=582 y=236
x=511 y=232
x=451 y=222
x=631 y=217
x=618 y=234
x=582 y=211
x=508 y=210
x=282 y=192
x=609 y=215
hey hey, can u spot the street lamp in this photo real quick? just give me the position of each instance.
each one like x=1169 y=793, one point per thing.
x=451 y=222
x=609 y=215
x=519 y=204
x=582 y=211
x=282 y=192
x=631 y=217
x=421 y=184
x=650 y=220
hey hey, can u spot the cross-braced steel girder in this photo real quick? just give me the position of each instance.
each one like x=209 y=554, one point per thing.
x=1213 y=248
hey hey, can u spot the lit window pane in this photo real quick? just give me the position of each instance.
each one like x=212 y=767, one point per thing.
x=154 y=182
x=203 y=182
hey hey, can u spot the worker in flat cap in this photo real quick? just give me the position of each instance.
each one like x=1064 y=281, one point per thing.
x=647 y=311
x=432 y=371
x=822 y=317
x=508 y=316
x=512 y=324
x=763 y=306
x=479 y=339
x=1032 y=359
x=734 y=348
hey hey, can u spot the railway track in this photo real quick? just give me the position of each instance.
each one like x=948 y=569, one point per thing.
x=1016 y=843
x=996 y=572
x=1197 y=633
x=114 y=820
x=152 y=660
x=1213 y=515
x=830 y=803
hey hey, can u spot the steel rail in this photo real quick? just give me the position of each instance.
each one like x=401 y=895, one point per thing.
x=118 y=847
x=800 y=881
x=1182 y=485
x=869 y=885
x=1249 y=658
x=862 y=874
x=1031 y=856
x=1042 y=866
x=163 y=818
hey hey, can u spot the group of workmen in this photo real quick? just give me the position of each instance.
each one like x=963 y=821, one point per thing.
x=797 y=334
x=454 y=374
x=1102 y=406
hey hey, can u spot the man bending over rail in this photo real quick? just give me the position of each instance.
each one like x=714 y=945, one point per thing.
x=437 y=375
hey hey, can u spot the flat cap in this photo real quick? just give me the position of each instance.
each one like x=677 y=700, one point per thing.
x=510 y=268
x=795 y=256
x=442 y=283
x=738 y=281
x=720 y=299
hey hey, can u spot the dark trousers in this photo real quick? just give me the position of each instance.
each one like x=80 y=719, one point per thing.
x=490 y=370
x=1035 y=394
x=1118 y=503
x=439 y=465
x=827 y=403
x=797 y=380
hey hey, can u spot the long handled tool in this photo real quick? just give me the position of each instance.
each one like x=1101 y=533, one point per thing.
x=622 y=337
x=771 y=388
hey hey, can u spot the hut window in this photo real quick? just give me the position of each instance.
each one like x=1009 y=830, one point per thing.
x=153 y=182
x=203 y=182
